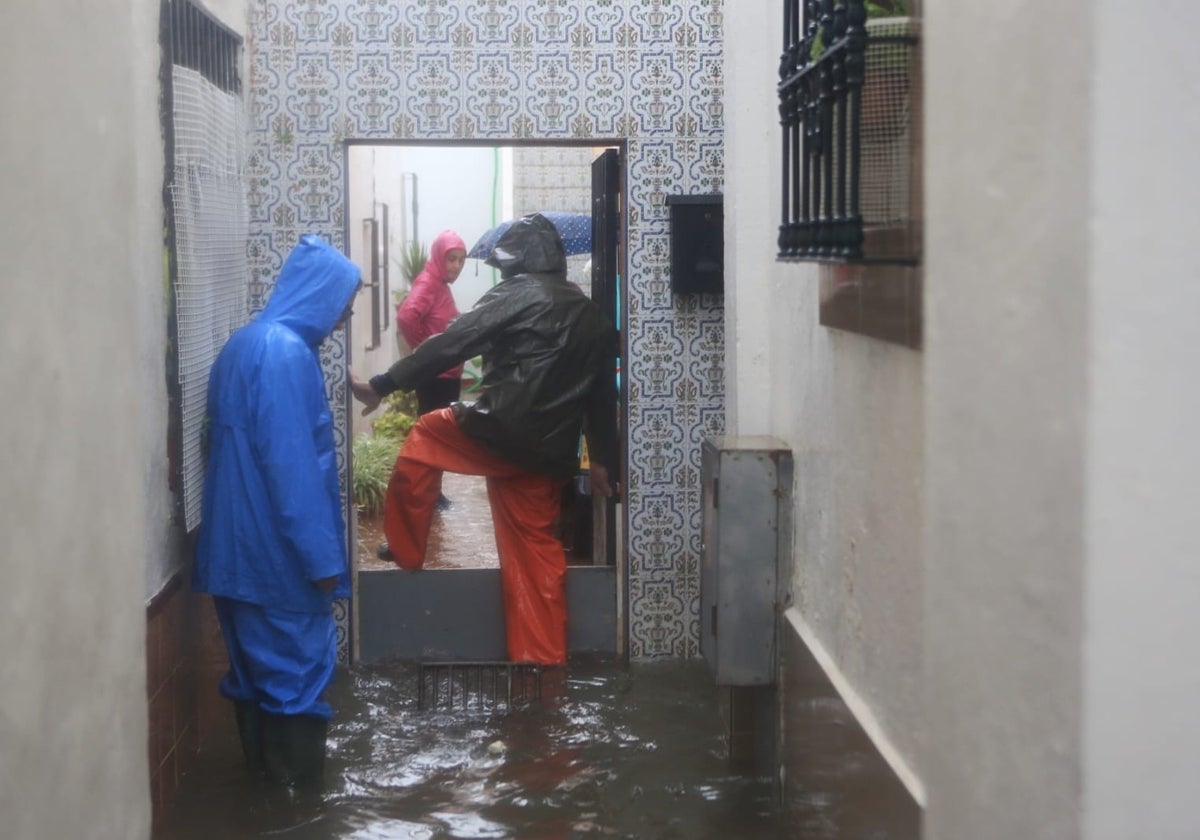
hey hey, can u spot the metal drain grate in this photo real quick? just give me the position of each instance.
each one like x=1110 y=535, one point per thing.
x=485 y=686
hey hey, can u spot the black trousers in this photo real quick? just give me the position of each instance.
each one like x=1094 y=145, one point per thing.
x=437 y=393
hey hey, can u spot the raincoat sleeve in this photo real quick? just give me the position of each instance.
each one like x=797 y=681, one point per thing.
x=413 y=314
x=466 y=337
x=294 y=442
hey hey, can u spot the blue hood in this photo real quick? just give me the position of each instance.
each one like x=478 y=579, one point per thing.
x=314 y=288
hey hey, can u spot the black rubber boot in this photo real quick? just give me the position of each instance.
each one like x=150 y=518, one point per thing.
x=249 y=724
x=294 y=748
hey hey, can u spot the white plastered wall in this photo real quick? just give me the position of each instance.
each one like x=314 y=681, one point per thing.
x=80 y=356
x=850 y=407
x=1141 y=735
x=1062 y=455
x=1007 y=196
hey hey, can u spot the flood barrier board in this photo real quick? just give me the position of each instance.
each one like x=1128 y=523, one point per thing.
x=449 y=614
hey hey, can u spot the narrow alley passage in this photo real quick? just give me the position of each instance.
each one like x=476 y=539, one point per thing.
x=612 y=750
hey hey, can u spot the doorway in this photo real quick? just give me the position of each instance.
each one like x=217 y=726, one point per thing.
x=399 y=196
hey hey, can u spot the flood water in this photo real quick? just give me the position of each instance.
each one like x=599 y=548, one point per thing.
x=611 y=749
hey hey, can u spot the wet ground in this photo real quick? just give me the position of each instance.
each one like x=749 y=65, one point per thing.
x=610 y=750
x=461 y=536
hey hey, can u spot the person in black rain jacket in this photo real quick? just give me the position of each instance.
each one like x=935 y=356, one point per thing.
x=548 y=375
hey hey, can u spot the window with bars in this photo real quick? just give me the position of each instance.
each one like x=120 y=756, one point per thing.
x=206 y=222
x=849 y=105
x=846 y=104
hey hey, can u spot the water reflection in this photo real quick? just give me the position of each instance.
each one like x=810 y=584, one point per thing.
x=612 y=750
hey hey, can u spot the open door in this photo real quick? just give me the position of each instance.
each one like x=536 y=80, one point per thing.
x=606 y=291
x=457 y=613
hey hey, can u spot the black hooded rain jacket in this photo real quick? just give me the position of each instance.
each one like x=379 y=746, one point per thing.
x=547 y=359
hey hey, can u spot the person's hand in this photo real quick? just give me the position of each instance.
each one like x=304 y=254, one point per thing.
x=326 y=584
x=364 y=393
x=598 y=477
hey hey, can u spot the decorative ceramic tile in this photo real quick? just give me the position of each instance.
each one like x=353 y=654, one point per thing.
x=313 y=88
x=647 y=71
x=707 y=360
x=492 y=86
x=312 y=189
x=650 y=262
x=709 y=19
x=312 y=19
x=493 y=21
x=656 y=82
x=657 y=357
x=262 y=88
x=661 y=612
x=341 y=617
x=655 y=172
x=604 y=94
x=603 y=18
x=656 y=448
x=372 y=20
x=551 y=21
x=262 y=177
x=371 y=98
x=553 y=94
x=706 y=92
x=707 y=168
x=655 y=20
x=432 y=20
x=433 y=94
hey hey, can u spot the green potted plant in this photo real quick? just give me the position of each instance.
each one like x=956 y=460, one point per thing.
x=876 y=10
x=886 y=8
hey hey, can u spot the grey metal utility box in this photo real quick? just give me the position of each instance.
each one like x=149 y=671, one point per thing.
x=747 y=494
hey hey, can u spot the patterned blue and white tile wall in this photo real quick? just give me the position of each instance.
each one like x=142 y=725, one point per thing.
x=647 y=71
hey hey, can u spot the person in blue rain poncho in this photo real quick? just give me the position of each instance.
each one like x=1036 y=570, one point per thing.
x=272 y=548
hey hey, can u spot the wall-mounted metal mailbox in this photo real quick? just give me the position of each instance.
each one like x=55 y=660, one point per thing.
x=747 y=495
x=697 y=243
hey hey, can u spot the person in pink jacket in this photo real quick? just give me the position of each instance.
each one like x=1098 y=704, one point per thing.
x=426 y=310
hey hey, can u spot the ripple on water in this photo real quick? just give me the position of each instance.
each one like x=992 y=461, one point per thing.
x=614 y=750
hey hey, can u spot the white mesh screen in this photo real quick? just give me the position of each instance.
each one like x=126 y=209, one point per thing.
x=885 y=172
x=211 y=225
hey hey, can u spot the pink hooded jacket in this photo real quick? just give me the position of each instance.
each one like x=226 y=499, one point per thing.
x=429 y=305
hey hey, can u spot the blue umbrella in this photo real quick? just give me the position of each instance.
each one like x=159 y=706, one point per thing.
x=574 y=228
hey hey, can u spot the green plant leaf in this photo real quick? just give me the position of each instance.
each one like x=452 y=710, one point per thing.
x=886 y=8
x=412 y=259
x=374 y=458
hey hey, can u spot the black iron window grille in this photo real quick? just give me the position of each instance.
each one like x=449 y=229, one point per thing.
x=199 y=42
x=846 y=85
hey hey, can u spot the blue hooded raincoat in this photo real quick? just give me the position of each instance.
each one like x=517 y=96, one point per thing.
x=272 y=519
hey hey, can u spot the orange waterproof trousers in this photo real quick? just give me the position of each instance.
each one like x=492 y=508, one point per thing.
x=525 y=508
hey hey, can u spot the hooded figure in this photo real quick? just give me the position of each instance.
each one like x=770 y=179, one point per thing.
x=272 y=548
x=547 y=377
x=429 y=305
x=427 y=309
